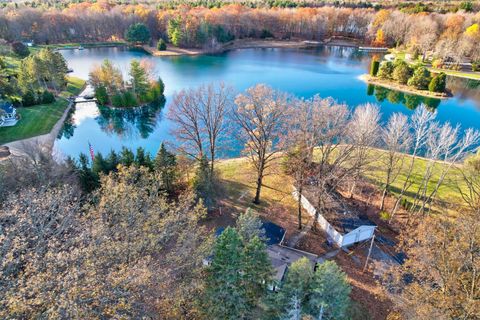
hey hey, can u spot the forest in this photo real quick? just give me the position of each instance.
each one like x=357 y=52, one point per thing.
x=452 y=35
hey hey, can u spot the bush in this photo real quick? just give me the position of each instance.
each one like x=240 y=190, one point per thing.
x=28 y=99
x=161 y=45
x=438 y=83
x=129 y=99
x=420 y=79
x=47 y=97
x=266 y=34
x=402 y=72
x=386 y=70
x=101 y=95
x=374 y=68
x=476 y=66
x=117 y=100
x=20 y=49
x=384 y=216
x=437 y=63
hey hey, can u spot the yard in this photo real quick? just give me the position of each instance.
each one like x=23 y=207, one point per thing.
x=40 y=119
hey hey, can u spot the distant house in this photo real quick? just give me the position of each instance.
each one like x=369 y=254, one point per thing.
x=8 y=114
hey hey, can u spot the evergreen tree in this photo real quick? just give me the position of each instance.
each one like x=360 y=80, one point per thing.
x=166 y=166
x=161 y=45
x=138 y=78
x=225 y=296
x=402 y=72
x=203 y=182
x=88 y=180
x=257 y=270
x=386 y=70
x=142 y=158
x=331 y=290
x=112 y=161
x=99 y=164
x=420 y=79
x=127 y=158
x=438 y=83
x=250 y=226
x=137 y=33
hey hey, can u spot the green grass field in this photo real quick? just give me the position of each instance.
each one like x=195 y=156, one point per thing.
x=34 y=121
x=40 y=119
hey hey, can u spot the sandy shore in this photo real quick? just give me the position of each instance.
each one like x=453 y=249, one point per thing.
x=403 y=88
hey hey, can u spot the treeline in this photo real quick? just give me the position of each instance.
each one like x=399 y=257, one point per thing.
x=112 y=89
x=38 y=77
x=444 y=34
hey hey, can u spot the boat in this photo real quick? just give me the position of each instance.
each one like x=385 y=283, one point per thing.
x=80 y=48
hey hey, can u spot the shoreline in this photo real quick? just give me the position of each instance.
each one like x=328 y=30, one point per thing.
x=403 y=88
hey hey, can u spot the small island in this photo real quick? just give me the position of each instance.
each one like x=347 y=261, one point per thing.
x=140 y=89
x=399 y=75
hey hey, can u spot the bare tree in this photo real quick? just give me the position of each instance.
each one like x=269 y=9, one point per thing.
x=300 y=141
x=261 y=113
x=396 y=140
x=363 y=132
x=420 y=125
x=199 y=117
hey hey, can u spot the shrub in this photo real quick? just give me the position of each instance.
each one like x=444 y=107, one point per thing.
x=386 y=70
x=28 y=99
x=438 y=83
x=117 y=100
x=420 y=79
x=476 y=66
x=101 y=95
x=20 y=49
x=161 y=45
x=129 y=99
x=402 y=72
x=374 y=67
x=47 y=97
x=437 y=63
x=384 y=216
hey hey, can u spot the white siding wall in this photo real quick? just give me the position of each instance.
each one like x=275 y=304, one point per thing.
x=362 y=233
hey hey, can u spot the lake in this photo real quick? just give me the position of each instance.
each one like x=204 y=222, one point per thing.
x=326 y=71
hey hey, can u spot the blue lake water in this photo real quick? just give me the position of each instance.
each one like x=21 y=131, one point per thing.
x=326 y=71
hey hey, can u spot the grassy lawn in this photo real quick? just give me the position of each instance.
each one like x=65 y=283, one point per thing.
x=474 y=76
x=40 y=119
x=74 y=87
x=238 y=183
x=85 y=45
x=34 y=121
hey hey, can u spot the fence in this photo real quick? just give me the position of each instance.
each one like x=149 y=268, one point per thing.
x=362 y=233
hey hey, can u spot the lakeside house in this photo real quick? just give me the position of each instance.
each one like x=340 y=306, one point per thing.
x=8 y=114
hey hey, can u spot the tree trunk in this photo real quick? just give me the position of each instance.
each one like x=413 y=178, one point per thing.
x=300 y=190
x=259 y=187
x=384 y=195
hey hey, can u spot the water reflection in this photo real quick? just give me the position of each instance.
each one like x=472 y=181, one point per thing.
x=128 y=123
x=397 y=97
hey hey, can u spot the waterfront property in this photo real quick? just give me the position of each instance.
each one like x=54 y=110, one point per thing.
x=8 y=114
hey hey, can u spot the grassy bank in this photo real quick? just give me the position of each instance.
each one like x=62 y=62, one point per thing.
x=403 y=88
x=74 y=45
x=40 y=119
x=238 y=183
x=34 y=121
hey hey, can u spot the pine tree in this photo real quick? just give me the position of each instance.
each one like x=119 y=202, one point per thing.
x=249 y=226
x=225 y=296
x=138 y=78
x=88 y=180
x=99 y=164
x=166 y=165
x=331 y=290
x=127 y=158
x=112 y=161
x=257 y=270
